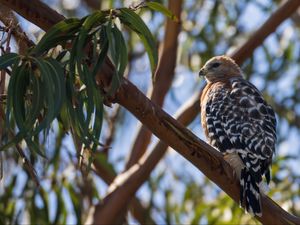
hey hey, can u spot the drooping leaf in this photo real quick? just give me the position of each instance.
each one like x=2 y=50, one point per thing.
x=161 y=8
x=88 y=80
x=59 y=33
x=118 y=51
x=94 y=19
x=134 y=22
x=8 y=59
x=10 y=92
x=121 y=50
x=74 y=195
x=103 y=52
x=49 y=90
x=57 y=72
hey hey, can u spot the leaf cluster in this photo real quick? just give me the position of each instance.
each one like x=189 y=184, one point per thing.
x=43 y=88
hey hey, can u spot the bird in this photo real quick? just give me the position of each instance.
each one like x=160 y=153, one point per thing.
x=238 y=122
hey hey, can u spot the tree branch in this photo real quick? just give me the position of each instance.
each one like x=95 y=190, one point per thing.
x=207 y=159
x=164 y=77
x=35 y=11
x=270 y=25
x=282 y=13
x=9 y=19
x=129 y=181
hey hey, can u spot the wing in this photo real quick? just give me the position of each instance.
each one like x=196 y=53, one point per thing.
x=238 y=119
x=250 y=123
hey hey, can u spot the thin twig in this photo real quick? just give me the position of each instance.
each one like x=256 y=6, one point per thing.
x=112 y=126
x=27 y=164
x=10 y=20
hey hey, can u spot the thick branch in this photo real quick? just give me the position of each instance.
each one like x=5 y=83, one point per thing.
x=164 y=77
x=207 y=159
x=250 y=45
x=35 y=11
x=128 y=182
x=136 y=208
x=246 y=50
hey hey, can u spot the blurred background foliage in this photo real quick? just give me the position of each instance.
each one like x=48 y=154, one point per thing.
x=176 y=192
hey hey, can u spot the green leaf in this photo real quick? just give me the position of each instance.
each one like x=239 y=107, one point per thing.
x=60 y=211
x=14 y=83
x=121 y=51
x=10 y=91
x=50 y=89
x=75 y=198
x=23 y=120
x=90 y=21
x=8 y=59
x=96 y=18
x=161 y=8
x=59 y=33
x=134 y=22
x=118 y=53
x=102 y=159
x=104 y=48
x=18 y=101
x=98 y=117
x=84 y=72
x=112 y=47
x=57 y=72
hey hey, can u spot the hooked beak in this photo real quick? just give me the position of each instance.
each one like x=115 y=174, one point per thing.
x=202 y=73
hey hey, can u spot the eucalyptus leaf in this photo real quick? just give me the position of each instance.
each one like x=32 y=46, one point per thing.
x=135 y=23
x=161 y=8
x=8 y=59
x=59 y=33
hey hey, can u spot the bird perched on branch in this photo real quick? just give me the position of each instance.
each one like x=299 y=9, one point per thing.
x=239 y=123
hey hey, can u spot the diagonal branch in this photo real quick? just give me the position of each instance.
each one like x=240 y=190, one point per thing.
x=136 y=208
x=35 y=11
x=128 y=182
x=282 y=13
x=128 y=186
x=207 y=159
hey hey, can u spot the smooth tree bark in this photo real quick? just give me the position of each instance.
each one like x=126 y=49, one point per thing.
x=172 y=133
x=128 y=182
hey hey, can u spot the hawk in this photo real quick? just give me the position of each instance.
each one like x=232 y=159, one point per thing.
x=239 y=123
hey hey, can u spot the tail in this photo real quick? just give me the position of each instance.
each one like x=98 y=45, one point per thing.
x=249 y=193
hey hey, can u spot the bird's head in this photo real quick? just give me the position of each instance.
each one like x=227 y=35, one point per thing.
x=220 y=68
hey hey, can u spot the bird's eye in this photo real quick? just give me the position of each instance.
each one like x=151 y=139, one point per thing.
x=215 y=65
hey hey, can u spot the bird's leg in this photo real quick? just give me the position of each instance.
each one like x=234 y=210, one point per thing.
x=236 y=163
